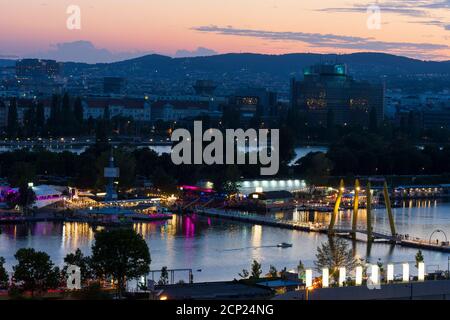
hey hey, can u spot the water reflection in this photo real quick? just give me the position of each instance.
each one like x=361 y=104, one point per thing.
x=76 y=235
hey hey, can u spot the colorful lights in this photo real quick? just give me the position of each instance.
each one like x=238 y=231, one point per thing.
x=198 y=189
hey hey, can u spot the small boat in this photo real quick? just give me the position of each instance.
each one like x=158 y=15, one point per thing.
x=284 y=245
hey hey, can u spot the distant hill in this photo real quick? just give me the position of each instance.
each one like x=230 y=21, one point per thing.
x=234 y=70
x=7 y=63
x=372 y=64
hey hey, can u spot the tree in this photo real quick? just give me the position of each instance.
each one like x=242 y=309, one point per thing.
x=244 y=274
x=163 y=181
x=29 y=122
x=314 y=165
x=40 y=117
x=13 y=122
x=106 y=113
x=35 y=271
x=4 y=278
x=79 y=260
x=164 y=278
x=21 y=173
x=54 y=121
x=78 y=112
x=227 y=181
x=333 y=255
x=121 y=254
x=26 y=197
x=373 y=120
x=419 y=258
x=331 y=125
x=67 y=116
x=273 y=273
x=381 y=267
x=301 y=269
x=101 y=132
x=256 y=270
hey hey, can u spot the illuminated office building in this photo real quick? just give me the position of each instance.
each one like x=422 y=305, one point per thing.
x=328 y=89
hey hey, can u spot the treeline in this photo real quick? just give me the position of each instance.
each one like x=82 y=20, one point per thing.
x=35 y=273
x=66 y=118
x=85 y=170
x=371 y=154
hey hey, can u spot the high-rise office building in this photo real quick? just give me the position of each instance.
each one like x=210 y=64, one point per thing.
x=327 y=88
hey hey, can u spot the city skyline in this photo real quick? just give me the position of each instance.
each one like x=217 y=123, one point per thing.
x=110 y=31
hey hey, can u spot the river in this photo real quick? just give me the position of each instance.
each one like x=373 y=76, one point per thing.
x=219 y=249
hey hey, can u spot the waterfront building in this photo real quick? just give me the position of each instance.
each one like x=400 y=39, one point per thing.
x=45 y=194
x=328 y=89
x=272 y=200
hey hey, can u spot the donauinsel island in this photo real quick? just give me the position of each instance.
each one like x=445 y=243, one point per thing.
x=134 y=166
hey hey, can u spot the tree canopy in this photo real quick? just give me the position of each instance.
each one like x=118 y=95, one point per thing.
x=121 y=254
x=35 y=271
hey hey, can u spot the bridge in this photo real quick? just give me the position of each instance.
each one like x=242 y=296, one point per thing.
x=285 y=224
x=371 y=234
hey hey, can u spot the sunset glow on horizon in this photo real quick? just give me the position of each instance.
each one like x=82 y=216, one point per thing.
x=418 y=29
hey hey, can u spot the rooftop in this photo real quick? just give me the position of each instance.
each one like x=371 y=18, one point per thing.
x=216 y=290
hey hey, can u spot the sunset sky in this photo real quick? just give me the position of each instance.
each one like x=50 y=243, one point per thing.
x=118 y=29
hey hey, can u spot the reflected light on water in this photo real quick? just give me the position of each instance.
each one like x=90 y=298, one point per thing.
x=222 y=248
x=76 y=235
x=256 y=235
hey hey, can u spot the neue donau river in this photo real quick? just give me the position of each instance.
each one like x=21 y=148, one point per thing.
x=221 y=248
